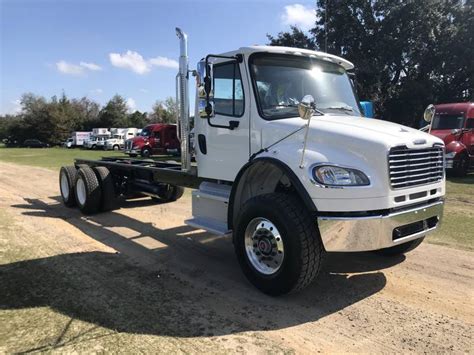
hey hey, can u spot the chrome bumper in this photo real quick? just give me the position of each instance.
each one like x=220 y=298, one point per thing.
x=131 y=151
x=381 y=231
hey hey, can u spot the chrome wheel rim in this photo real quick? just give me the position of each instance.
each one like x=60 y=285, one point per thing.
x=264 y=246
x=64 y=186
x=81 y=191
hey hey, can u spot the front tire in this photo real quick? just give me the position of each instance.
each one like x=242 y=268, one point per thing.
x=87 y=191
x=146 y=152
x=277 y=244
x=401 y=249
x=461 y=165
x=116 y=147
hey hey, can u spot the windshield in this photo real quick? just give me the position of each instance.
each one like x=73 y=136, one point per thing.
x=281 y=81
x=145 y=132
x=447 y=121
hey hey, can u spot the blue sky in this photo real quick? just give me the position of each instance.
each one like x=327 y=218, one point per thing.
x=102 y=47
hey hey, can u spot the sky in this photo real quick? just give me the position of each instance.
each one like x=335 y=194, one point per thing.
x=101 y=48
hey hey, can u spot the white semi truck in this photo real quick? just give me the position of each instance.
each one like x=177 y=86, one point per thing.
x=119 y=136
x=285 y=163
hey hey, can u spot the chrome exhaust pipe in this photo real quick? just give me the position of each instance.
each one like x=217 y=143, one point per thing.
x=183 y=101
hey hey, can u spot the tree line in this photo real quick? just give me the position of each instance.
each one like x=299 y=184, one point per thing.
x=407 y=53
x=53 y=120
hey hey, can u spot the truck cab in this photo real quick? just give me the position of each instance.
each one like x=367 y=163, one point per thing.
x=153 y=139
x=454 y=124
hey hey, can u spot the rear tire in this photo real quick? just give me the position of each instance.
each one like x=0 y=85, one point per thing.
x=400 y=249
x=87 y=191
x=271 y=225
x=67 y=181
x=106 y=182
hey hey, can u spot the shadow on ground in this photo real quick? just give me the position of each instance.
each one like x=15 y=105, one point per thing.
x=185 y=289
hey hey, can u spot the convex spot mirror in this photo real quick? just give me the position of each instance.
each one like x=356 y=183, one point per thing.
x=429 y=113
x=205 y=90
x=306 y=107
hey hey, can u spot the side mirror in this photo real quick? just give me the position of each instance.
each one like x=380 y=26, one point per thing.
x=456 y=131
x=429 y=113
x=306 y=107
x=367 y=109
x=205 y=93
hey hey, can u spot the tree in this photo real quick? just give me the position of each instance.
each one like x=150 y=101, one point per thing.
x=164 y=111
x=407 y=54
x=137 y=119
x=114 y=113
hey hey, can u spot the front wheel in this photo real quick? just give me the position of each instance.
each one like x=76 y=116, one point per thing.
x=401 y=248
x=146 y=152
x=277 y=244
x=461 y=165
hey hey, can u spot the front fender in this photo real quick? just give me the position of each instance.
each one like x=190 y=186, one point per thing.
x=456 y=147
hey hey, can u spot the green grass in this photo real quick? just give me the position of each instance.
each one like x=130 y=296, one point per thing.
x=51 y=158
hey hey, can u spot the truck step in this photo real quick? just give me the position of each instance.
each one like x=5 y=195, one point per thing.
x=209 y=225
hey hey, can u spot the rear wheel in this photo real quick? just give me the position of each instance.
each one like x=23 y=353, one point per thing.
x=87 y=191
x=67 y=180
x=108 y=199
x=401 y=249
x=277 y=244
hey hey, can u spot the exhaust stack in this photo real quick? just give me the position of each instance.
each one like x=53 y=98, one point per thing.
x=183 y=101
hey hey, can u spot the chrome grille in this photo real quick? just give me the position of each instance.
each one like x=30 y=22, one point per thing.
x=128 y=145
x=412 y=167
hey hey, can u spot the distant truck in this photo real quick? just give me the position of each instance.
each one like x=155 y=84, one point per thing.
x=77 y=139
x=119 y=136
x=454 y=124
x=97 y=138
x=154 y=139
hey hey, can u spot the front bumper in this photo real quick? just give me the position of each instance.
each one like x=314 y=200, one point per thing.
x=348 y=234
x=131 y=151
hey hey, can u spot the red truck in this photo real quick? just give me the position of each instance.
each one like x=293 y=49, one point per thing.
x=154 y=139
x=454 y=123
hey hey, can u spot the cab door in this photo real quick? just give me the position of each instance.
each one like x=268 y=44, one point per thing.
x=222 y=141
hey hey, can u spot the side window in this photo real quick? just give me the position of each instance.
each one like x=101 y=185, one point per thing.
x=228 y=92
x=470 y=123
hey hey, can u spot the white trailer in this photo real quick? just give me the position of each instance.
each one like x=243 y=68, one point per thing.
x=77 y=139
x=285 y=163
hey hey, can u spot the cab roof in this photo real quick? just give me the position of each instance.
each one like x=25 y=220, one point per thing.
x=295 y=51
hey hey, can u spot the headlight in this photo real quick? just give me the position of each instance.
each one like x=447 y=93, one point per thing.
x=339 y=176
x=450 y=155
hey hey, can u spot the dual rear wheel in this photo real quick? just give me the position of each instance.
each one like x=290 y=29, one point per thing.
x=93 y=189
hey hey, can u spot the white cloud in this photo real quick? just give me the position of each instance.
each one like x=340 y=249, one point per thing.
x=164 y=62
x=90 y=66
x=135 y=62
x=131 y=104
x=144 y=91
x=97 y=91
x=75 y=69
x=69 y=68
x=130 y=60
x=300 y=16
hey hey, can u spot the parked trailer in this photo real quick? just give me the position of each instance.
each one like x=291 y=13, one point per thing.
x=290 y=177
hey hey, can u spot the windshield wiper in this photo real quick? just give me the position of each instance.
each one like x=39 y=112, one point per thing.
x=344 y=108
x=296 y=106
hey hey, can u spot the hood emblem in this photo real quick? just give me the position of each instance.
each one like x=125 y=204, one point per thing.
x=419 y=141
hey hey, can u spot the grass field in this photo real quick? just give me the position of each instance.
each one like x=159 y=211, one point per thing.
x=458 y=224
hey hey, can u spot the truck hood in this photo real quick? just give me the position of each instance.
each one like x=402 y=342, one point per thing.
x=139 y=140
x=350 y=131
